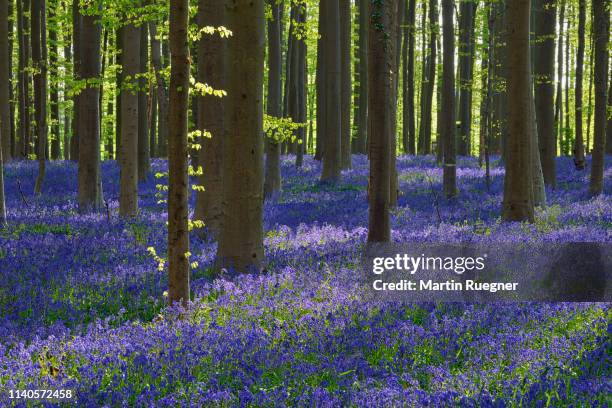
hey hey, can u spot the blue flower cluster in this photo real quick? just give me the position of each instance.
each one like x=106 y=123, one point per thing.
x=82 y=306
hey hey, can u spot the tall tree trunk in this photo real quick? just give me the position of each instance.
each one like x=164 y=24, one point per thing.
x=67 y=111
x=381 y=63
x=11 y=46
x=333 y=130
x=544 y=76
x=39 y=61
x=559 y=95
x=565 y=142
x=5 y=75
x=320 y=83
x=144 y=158
x=90 y=182
x=578 y=139
x=408 y=130
x=518 y=199
x=609 y=124
x=362 y=118
x=447 y=132
x=589 y=97
x=211 y=70
x=428 y=81
x=499 y=120
x=345 y=85
x=162 y=92
x=118 y=92
x=466 y=47
x=128 y=157
x=302 y=90
x=241 y=238
x=53 y=71
x=272 y=183
x=178 y=181
x=601 y=26
x=76 y=69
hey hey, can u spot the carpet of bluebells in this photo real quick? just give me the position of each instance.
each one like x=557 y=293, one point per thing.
x=82 y=301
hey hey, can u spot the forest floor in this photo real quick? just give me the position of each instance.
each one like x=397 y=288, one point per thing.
x=81 y=301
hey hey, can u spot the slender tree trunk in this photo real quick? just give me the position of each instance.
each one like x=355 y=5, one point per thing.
x=67 y=111
x=590 y=97
x=447 y=132
x=53 y=71
x=466 y=72
x=76 y=69
x=381 y=63
x=345 y=86
x=118 y=93
x=601 y=27
x=408 y=130
x=272 y=183
x=11 y=46
x=362 y=118
x=302 y=90
x=518 y=199
x=153 y=121
x=162 y=92
x=128 y=157
x=578 y=140
x=544 y=67
x=5 y=75
x=559 y=96
x=241 y=239
x=609 y=124
x=144 y=152
x=333 y=130
x=428 y=81
x=320 y=83
x=211 y=70
x=90 y=184
x=178 y=182
x=39 y=61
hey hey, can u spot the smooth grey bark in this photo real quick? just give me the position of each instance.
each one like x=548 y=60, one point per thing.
x=518 y=195
x=380 y=106
x=320 y=85
x=408 y=112
x=241 y=238
x=272 y=182
x=90 y=183
x=54 y=92
x=345 y=85
x=76 y=69
x=467 y=16
x=559 y=92
x=609 y=124
x=362 y=117
x=39 y=62
x=578 y=149
x=162 y=92
x=601 y=32
x=332 y=132
x=128 y=152
x=210 y=116
x=544 y=78
x=5 y=109
x=302 y=91
x=447 y=131
x=429 y=69
x=144 y=160
x=178 y=178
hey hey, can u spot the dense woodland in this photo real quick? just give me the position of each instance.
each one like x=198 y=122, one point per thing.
x=232 y=120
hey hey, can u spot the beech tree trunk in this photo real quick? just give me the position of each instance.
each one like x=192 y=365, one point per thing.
x=601 y=33
x=128 y=157
x=211 y=70
x=609 y=124
x=302 y=91
x=332 y=132
x=5 y=74
x=362 y=117
x=559 y=95
x=408 y=130
x=54 y=97
x=162 y=93
x=144 y=160
x=272 y=183
x=241 y=239
x=178 y=181
x=447 y=131
x=518 y=198
x=39 y=61
x=345 y=86
x=466 y=47
x=578 y=139
x=429 y=69
x=544 y=77
x=320 y=83
x=381 y=63
x=90 y=182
